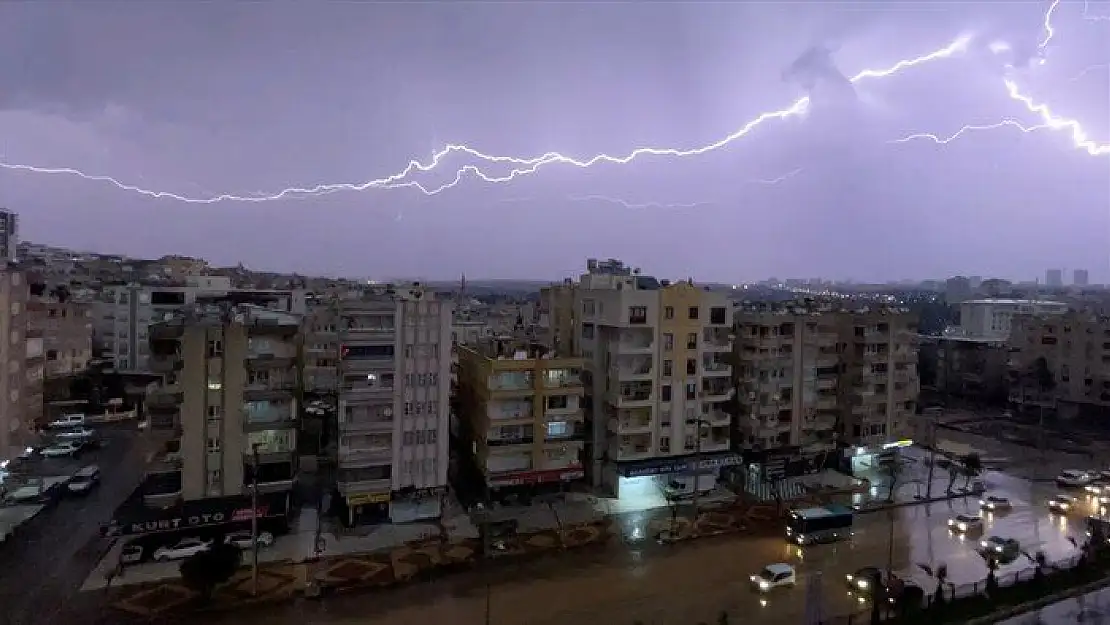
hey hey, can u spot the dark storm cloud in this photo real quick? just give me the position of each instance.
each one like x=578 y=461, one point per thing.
x=207 y=98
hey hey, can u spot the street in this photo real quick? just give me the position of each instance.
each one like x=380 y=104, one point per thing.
x=46 y=563
x=693 y=582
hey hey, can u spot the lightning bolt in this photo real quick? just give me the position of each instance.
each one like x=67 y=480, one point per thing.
x=1048 y=119
x=1088 y=70
x=1049 y=31
x=518 y=167
x=633 y=205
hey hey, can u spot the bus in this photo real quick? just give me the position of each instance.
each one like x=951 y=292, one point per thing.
x=819 y=525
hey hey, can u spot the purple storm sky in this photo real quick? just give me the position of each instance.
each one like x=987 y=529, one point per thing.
x=202 y=99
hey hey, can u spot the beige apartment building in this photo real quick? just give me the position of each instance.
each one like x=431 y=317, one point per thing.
x=66 y=327
x=814 y=379
x=521 y=415
x=229 y=405
x=656 y=360
x=21 y=358
x=1076 y=350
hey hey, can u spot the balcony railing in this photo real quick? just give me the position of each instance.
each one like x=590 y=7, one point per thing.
x=365 y=457
x=270 y=415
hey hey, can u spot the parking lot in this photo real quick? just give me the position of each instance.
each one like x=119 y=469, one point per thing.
x=48 y=558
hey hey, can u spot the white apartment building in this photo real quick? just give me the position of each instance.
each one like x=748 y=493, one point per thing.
x=656 y=358
x=993 y=318
x=394 y=367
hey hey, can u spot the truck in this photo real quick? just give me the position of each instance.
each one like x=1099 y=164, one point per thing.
x=820 y=524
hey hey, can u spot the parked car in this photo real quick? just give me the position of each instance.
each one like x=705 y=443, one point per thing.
x=996 y=547
x=75 y=434
x=774 y=576
x=84 y=480
x=62 y=450
x=132 y=553
x=183 y=549
x=25 y=494
x=242 y=539
x=1073 y=479
x=68 y=421
x=862 y=579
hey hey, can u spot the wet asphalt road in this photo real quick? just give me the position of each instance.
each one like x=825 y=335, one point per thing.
x=693 y=582
x=45 y=564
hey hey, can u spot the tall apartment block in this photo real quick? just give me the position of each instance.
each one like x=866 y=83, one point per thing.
x=657 y=372
x=228 y=405
x=812 y=380
x=9 y=235
x=66 y=329
x=1075 y=347
x=21 y=356
x=521 y=416
x=393 y=369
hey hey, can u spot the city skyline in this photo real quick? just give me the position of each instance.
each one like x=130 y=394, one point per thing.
x=246 y=113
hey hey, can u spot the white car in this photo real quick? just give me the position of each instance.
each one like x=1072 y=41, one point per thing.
x=68 y=421
x=183 y=549
x=242 y=539
x=62 y=450
x=965 y=524
x=773 y=576
x=1062 y=503
x=75 y=434
x=995 y=504
x=1073 y=479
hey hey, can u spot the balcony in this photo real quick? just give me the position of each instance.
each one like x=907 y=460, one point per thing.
x=826 y=402
x=819 y=421
x=370 y=386
x=165 y=398
x=631 y=424
x=365 y=457
x=510 y=413
x=634 y=395
x=495 y=439
x=367 y=424
x=161 y=487
x=716 y=389
x=636 y=341
x=632 y=368
x=710 y=444
x=358 y=333
x=260 y=415
x=716 y=340
x=562 y=379
x=625 y=453
x=514 y=384
x=357 y=487
x=713 y=367
x=367 y=365
x=825 y=361
x=272 y=389
x=716 y=417
x=826 y=382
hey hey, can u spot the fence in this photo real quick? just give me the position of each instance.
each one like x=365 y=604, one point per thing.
x=955 y=592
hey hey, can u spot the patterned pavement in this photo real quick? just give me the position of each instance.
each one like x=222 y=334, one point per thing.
x=419 y=560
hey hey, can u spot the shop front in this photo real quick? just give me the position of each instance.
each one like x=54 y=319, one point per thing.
x=368 y=508
x=417 y=504
x=865 y=460
x=202 y=516
x=674 y=476
x=523 y=485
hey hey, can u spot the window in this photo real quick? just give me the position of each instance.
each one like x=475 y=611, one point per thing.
x=668 y=312
x=717 y=315
x=692 y=340
x=637 y=315
x=15 y=308
x=214 y=478
x=691 y=366
x=588 y=331
x=409 y=437
x=588 y=307
x=215 y=349
x=214 y=412
x=408 y=408
x=665 y=443
x=51 y=354
x=691 y=390
x=431 y=436
x=693 y=312
x=668 y=342
x=666 y=392
x=213 y=444
x=668 y=368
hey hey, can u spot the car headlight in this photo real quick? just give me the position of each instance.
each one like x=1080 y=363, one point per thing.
x=963 y=527
x=801 y=539
x=984 y=544
x=764 y=585
x=755 y=579
x=982 y=502
x=1064 y=506
x=990 y=506
x=848 y=577
x=998 y=549
x=951 y=521
x=863 y=583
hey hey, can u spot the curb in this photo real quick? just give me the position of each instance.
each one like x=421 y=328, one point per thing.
x=915 y=502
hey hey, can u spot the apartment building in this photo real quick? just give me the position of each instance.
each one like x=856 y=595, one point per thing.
x=1075 y=348
x=9 y=235
x=656 y=362
x=21 y=357
x=393 y=372
x=992 y=318
x=228 y=406
x=812 y=379
x=521 y=420
x=66 y=329
x=555 y=316
x=122 y=314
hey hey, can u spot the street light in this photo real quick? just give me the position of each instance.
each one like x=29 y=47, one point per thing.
x=698 y=423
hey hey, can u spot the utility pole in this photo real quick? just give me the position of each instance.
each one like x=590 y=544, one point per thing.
x=254 y=519
x=697 y=462
x=932 y=438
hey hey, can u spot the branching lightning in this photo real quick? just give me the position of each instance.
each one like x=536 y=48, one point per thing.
x=768 y=182
x=519 y=167
x=1105 y=67
x=1048 y=120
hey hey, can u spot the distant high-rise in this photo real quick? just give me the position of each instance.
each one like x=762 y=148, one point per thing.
x=1079 y=277
x=9 y=234
x=1054 y=278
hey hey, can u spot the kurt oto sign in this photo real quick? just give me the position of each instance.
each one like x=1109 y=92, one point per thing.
x=183 y=522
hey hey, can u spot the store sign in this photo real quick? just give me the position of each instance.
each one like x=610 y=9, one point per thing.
x=536 y=477
x=685 y=464
x=215 y=511
x=363 y=499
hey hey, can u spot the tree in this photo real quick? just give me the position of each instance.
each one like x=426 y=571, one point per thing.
x=893 y=471
x=992 y=578
x=206 y=570
x=953 y=473
x=941 y=575
x=973 y=466
x=1039 y=564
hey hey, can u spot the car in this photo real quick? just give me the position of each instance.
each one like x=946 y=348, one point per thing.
x=76 y=434
x=182 y=549
x=774 y=576
x=132 y=553
x=242 y=539
x=84 y=480
x=965 y=523
x=1073 y=479
x=994 y=503
x=1063 y=503
x=997 y=547
x=68 y=421
x=62 y=450
x=864 y=578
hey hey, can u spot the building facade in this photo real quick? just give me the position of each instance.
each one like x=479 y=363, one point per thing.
x=9 y=235
x=228 y=406
x=393 y=370
x=21 y=357
x=992 y=318
x=657 y=374
x=521 y=416
x=1074 y=351
x=66 y=329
